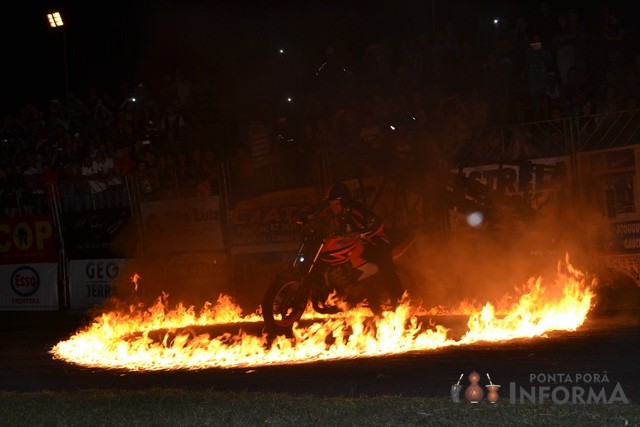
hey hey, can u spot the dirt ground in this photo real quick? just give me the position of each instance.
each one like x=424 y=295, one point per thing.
x=607 y=343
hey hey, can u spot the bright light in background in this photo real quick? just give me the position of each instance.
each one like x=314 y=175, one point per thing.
x=281 y=51
x=475 y=219
x=55 y=19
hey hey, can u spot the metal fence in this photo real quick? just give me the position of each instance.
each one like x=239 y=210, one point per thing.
x=406 y=165
x=550 y=138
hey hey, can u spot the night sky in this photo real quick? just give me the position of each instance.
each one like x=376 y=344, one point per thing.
x=111 y=44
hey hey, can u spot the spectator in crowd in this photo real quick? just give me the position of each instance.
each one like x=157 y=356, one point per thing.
x=615 y=37
x=564 y=48
x=173 y=127
x=73 y=186
x=206 y=174
x=45 y=183
x=123 y=164
x=633 y=77
x=147 y=180
x=185 y=175
x=30 y=194
x=538 y=63
x=94 y=193
x=580 y=43
x=370 y=134
x=102 y=117
x=13 y=184
x=610 y=95
x=259 y=141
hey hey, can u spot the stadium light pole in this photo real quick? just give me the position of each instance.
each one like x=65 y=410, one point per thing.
x=55 y=21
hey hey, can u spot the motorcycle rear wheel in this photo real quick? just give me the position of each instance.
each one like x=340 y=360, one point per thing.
x=283 y=305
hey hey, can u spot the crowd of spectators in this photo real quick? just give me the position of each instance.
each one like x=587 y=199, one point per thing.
x=395 y=96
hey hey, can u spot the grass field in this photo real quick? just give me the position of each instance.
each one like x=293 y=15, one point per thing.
x=177 y=407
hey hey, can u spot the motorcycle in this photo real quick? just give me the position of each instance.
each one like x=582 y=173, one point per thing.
x=325 y=265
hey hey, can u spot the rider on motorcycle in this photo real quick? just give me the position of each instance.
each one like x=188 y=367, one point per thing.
x=352 y=218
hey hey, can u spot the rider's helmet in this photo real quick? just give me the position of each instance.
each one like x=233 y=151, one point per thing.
x=339 y=191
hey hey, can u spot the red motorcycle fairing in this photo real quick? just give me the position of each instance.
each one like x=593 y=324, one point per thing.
x=340 y=249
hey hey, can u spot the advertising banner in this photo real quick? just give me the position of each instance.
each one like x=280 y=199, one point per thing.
x=29 y=287
x=611 y=178
x=98 y=234
x=538 y=177
x=182 y=225
x=625 y=237
x=92 y=281
x=265 y=223
x=27 y=240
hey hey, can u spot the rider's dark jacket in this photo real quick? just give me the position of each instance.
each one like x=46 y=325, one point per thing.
x=354 y=218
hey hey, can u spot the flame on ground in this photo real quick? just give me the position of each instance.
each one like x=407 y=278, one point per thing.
x=130 y=339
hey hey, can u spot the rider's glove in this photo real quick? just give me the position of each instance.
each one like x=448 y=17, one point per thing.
x=301 y=220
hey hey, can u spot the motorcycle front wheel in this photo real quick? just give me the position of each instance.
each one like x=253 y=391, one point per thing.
x=283 y=305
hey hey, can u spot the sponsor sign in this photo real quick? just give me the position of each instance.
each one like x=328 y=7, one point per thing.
x=539 y=175
x=93 y=234
x=27 y=240
x=266 y=223
x=29 y=287
x=610 y=178
x=182 y=225
x=93 y=281
x=625 y=237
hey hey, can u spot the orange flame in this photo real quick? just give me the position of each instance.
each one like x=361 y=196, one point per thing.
x=157 y=338
x=134 y=280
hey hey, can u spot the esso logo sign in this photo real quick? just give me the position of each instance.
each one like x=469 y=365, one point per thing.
x=25 y=281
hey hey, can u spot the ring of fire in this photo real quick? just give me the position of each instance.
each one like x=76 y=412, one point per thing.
x=124 y=339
